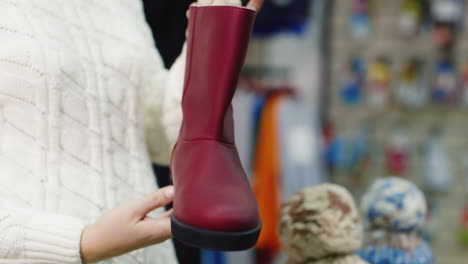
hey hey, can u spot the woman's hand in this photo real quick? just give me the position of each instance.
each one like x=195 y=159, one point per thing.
x=127 y=228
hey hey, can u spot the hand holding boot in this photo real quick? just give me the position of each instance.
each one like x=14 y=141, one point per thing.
x=127 y=228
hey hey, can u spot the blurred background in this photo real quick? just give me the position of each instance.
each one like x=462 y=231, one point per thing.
x=348 y=91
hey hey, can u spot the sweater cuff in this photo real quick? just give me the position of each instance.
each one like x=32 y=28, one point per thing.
x=52 y=239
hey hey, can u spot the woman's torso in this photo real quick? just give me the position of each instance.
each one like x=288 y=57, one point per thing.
x=71 y=135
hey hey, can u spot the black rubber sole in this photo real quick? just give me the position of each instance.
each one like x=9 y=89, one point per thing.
x=214 y=240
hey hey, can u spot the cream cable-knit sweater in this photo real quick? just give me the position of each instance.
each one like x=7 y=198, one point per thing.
x=79 y=79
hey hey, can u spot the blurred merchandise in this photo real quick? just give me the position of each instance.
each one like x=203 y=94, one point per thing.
x=300 y=148
x=359 y=148
x=437 y=181
x=412 y=52
x=282 y=16
x=445 y=82
x=398 y=153
x=286 y=158
x=212 y=257
x=360 y=20
x=321 y=224
x=353 y=82
x=437 y=173
x=396 y=248
x=394 y=204
x=411 y=17
x=411 y=90
x=463 y=232
x=266 y=175
x=431 y=228
x=463 y=229
x=448 y=18
x=448 y=11
x=336 y=153
x=244 y=126
x=395 y=208
x=358 y=155
x=444 y=36
x=465 y=170
x=378 y=83
x=464 y=86
x=350 y=155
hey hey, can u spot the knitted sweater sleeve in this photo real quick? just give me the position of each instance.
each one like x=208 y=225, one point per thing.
x=162 y=101
x=28 y=236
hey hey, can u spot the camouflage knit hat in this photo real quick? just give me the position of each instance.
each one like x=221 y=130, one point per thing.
x=321 y=224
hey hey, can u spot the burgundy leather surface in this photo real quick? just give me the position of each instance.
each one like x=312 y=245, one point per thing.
x=211 y=189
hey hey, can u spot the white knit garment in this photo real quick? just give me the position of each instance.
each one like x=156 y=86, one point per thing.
x=79 y=79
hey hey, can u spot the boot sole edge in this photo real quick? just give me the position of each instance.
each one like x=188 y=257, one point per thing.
x=214 y=240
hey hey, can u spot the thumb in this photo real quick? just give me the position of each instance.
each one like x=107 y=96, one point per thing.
x=158 y=229
x=159 y=198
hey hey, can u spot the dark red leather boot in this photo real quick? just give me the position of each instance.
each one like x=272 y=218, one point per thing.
x=214 y=207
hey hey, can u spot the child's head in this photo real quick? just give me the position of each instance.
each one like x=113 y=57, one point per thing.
x=321 y=222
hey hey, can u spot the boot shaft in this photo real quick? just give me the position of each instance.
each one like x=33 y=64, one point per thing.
x=214 y=207
x=217 y=46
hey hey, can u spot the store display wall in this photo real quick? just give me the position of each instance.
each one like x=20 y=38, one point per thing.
x=397 y=122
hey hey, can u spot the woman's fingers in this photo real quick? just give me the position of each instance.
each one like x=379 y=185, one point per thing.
x=159 y=198
x=255 y=4
x=166 y=214
x=159 y=228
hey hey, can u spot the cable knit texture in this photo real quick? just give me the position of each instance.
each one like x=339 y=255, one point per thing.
x=79 y=79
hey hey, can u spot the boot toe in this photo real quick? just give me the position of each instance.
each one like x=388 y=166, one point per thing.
x=219 y=198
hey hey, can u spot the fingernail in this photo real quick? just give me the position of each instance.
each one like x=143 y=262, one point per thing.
x=169 y=192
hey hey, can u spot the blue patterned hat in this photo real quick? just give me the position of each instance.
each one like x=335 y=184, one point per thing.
x=394 y=204
x=383 y=247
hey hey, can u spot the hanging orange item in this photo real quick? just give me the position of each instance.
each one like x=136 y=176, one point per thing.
x=266 y=175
